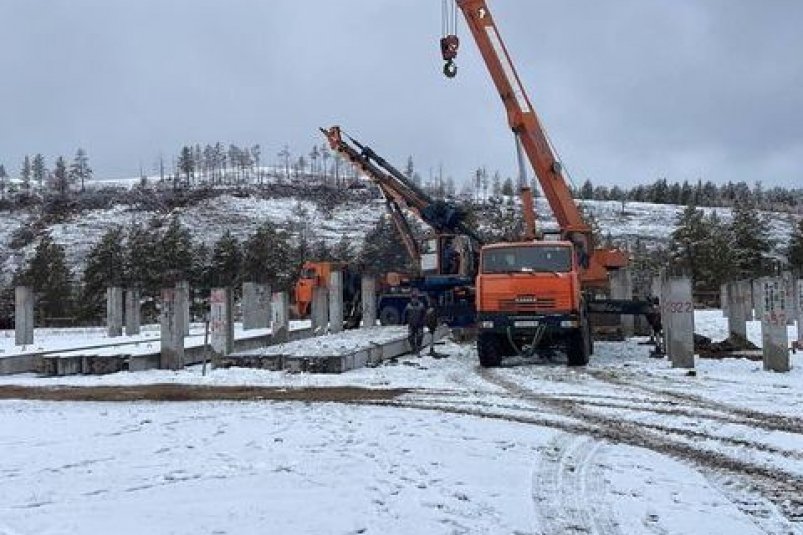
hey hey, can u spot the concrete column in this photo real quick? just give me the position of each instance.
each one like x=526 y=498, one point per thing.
x=114 y=311
x=23 y=316
x=799 y=302
x=368 y=301
x=738 y=297
x=790 y=297
x=132 y=312
x=183 y=288
x=667 y=325
x=723 y=299
x=622 y=288
x=281 y=317
x=256 y=305
x=336 y=301
x=221 y=321
x=320 y=309
x=679 y=311
x=774 y=338
x=172 y=355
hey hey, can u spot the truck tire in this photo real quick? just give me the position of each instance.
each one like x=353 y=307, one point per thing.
x=389 y=316
x=578 y=347
x=489 y=350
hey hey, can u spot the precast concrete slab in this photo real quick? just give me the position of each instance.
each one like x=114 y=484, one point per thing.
x=334 y=353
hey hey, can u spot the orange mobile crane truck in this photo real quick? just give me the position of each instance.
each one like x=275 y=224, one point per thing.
x=535 y=293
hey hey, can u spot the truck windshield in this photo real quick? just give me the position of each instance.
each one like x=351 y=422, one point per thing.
x=527 y=259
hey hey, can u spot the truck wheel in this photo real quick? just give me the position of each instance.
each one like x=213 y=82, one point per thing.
x=389 y=316
x=489 y=350
x=577 y=347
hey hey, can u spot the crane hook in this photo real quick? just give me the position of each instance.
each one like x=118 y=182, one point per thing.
x=449 y=46
x=450 y=69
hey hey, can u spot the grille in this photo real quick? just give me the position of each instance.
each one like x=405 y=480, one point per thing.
x=538 y=303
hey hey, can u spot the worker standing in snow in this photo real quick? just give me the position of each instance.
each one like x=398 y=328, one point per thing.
x=431 y=321
x=414 y=314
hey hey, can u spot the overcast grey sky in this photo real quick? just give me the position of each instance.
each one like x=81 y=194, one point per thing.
x=629 y=90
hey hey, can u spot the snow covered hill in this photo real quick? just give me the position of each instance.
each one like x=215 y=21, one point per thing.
x=210 y=218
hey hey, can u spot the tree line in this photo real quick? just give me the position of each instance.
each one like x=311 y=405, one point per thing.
x=713 y=251
x=162 y=252
x=34 y=174
x=701 y=193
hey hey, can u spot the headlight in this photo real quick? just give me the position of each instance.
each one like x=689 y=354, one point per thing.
x=487 y=325
x=569 y=323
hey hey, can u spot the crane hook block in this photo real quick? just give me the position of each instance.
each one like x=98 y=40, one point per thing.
x=450 y=69
x=449 y=46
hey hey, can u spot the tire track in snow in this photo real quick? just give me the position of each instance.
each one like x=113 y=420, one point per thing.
x=780 y=487
x=568 y=488
x=739 y=415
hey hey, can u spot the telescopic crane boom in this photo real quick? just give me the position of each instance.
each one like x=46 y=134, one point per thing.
x=531 y=137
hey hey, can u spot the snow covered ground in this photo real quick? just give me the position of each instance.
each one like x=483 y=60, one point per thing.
x=626 y=445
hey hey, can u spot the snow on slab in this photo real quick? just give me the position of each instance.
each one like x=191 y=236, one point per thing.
x=70 y=339
x=342 y=343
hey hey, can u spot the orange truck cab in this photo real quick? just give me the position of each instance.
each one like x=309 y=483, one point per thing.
x=313 y=274
x=529 y=297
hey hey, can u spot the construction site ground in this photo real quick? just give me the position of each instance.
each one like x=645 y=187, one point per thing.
x=417 y=445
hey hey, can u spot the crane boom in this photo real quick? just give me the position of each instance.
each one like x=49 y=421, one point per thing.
x=440 y=215
x=521 y=115
x=531 y=136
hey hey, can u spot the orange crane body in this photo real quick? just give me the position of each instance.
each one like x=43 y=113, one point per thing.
x=525 y=124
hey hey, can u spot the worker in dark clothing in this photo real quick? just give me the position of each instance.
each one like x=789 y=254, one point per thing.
x=414 y=314
x=431 y=321
x=653 y=317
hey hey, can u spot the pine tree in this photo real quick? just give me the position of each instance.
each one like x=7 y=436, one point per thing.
x=716 y=261
x=268 y=258
x=587 y=190
x=105 y=267
x=175 y=253
x=39 y=169
x=25 y=173
x=79 y=169
x=47 y=273
x=381 y=251
x=227 y=260
x=61 y=178
x=795 y=252
x=142 y=258
x=507 y=187
x=186 y=164
x=751 y=240
x=343 y=251
x=3 y=181
x=688 y=241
